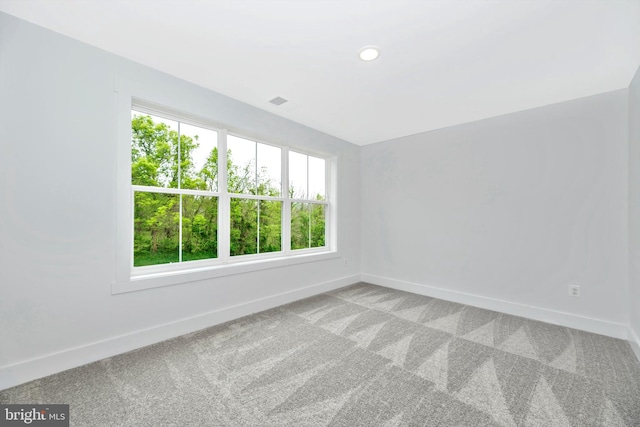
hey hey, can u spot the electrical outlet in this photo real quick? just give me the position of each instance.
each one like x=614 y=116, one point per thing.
x=574 y=290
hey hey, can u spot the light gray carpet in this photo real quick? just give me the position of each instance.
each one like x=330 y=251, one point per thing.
x=359 y=356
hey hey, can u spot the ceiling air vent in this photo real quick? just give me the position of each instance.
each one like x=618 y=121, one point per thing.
x=278 y=101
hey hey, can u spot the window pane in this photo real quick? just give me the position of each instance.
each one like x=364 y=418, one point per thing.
x=199 y=154
x=244 y=227
x=269 y=170
x=154 y=151
x=297 y=175
x=199 y=227
x=316 y=178
x=241 y=165
x=299 y=225
x=270 y=226
x=317 y=226
x=155 y=231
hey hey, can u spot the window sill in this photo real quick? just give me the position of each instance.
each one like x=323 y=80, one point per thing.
x=156 y=280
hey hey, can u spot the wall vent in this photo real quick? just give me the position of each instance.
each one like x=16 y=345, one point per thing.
x=278 y=101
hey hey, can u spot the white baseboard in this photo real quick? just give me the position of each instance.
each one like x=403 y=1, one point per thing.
x=28 y=370
x=634 y=342
x=602 y=327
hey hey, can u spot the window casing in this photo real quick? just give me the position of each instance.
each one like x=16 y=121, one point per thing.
x=288 y=226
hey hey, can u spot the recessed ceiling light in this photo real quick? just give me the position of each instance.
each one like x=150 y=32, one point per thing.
x=369 y=53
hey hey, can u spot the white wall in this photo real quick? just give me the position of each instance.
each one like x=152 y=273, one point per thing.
x=58 y=211
x=504 y=213
x=634 y=211
x=501 y=213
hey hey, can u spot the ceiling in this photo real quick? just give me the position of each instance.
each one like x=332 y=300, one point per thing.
x=441 y=63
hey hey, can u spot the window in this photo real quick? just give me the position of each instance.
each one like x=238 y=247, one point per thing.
x=307 y=190
x=174 y=168
x=206 y=197
x=254 y=169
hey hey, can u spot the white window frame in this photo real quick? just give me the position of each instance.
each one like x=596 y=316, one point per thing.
x=129 y=278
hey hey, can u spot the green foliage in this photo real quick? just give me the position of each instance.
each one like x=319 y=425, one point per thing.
x=299 y=225
x=270 y=226
x=199 y=227
x=316 y=226
x=156 y=219
x=244 y=227
x=307 y=225
x=162 y=158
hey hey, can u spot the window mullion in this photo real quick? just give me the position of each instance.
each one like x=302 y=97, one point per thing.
x=308 y=206
x=286 y=205
x=180 y=229
x=133 y=226
x=258 y=226
x=256 y=183
x=224 y=208
x=330 y=232
x=180 y=196
x=309 y=225
x=255 y=168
